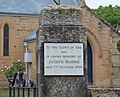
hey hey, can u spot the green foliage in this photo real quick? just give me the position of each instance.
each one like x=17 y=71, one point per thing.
x=4 y=92
x=118 y=45
x=110 y=14
x=13 y=68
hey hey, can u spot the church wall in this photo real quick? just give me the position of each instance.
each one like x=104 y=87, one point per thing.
x=115 y=58
x=19 y=27
x=32 y=68
x=107 y=55
x=106 y=58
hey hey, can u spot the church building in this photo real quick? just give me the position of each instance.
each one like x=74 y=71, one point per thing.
x=19 y=22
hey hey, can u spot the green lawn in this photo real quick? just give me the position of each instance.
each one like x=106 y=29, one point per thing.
x=4 y=92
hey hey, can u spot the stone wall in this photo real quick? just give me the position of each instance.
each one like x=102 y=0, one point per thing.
x=102 y=37
x=19 y=27
x=106 y=58
x=105 y=92
x=115 y=58
x=32 y=68
x=58 y=25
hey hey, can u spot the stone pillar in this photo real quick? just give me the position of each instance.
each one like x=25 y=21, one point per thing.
x=61 y=28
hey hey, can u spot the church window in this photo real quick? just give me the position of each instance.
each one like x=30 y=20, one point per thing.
x=6 y=40
x=90 y=63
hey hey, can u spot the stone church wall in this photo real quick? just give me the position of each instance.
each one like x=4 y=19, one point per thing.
x=102 y=37
x=106 y=58
x=32 y=68
x=19 y=27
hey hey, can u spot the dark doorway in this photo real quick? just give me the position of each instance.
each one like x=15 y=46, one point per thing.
x=90 y=63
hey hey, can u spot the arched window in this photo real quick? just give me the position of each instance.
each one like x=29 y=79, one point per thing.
x=6 y=40
x=90 y=63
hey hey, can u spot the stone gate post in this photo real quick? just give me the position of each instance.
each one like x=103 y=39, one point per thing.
x=61 y=53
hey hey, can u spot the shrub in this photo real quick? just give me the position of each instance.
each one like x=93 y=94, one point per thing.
x=13 y=68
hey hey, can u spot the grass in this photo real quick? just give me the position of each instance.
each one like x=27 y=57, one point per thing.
x=4 y=92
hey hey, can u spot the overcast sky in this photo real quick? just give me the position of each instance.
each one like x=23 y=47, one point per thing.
x=97 y=3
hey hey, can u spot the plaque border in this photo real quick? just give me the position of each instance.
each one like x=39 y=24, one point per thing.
x=64 y=75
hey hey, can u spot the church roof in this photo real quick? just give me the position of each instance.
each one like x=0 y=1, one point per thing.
x=30 y=6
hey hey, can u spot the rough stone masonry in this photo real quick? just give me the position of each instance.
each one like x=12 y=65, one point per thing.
x=61 y=24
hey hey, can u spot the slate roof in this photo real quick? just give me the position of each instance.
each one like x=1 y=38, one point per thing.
x=29 y=6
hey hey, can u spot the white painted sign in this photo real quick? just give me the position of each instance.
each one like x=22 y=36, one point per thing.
x=63 y=59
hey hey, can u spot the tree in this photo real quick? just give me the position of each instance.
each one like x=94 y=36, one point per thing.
x=110 y=14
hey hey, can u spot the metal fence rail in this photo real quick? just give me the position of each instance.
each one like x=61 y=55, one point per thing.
x=22 y=91
x=20 y=86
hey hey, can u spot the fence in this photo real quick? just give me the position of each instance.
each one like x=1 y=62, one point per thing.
x=21 y=87
x=22 y=91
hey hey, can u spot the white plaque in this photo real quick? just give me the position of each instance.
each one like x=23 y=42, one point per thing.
x=63 y=59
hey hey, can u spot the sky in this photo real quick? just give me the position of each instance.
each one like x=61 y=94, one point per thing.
x=97 y=3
